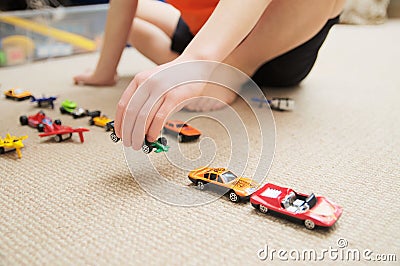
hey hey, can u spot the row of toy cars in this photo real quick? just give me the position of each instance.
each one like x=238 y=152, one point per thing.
x=67 y=106
x=310 y=209
x=44 y=124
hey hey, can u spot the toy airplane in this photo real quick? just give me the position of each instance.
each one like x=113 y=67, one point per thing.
x=10 y=143
x=280 y=104
x=47 y=127
x=57 y=130
x=44 y=101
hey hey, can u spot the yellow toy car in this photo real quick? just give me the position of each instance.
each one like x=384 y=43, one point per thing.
x=239 y=188
x=100 y=121
x=18 y=94
x=10 y=143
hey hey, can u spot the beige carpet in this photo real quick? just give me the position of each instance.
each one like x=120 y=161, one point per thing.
x=77 y=204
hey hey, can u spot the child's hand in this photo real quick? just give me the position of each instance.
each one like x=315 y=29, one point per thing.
x=93 y=79
x=148 y=111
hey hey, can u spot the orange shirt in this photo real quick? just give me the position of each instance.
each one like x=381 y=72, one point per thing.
x=194 y=12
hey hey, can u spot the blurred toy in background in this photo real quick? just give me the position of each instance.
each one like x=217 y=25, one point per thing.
x=18 y=94
x=310 y=209
x=51 y=50
x=279 y=104
x=71 y=108
x=100 y=121
x=10 y=143
x=18 y=49
x=44 y=101
x=183 y=131
x=3 y=58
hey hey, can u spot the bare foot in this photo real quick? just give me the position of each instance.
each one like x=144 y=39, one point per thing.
x=216 y=97
x=89 y=78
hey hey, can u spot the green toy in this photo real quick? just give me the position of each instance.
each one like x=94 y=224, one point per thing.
x=160 y=145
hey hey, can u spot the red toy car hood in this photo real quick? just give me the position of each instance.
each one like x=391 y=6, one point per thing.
x=326 y=211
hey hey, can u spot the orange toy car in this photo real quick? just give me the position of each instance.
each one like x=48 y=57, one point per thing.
x=17 y=94
x=239 y=188
x=183 y=131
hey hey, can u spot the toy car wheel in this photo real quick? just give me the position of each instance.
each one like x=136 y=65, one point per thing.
x=91 y=122
x=263 y=209
x=23 y=119
x=180 y=138
x=114 y=137
x=40 y=128
x=62 y=110
x=39 y=104
x=146 y=149
x=309 y=224
x=57 y=122
x=233 y=196
x=58 y=138
x=163 y=141
x=200 y=185
x=2 y=150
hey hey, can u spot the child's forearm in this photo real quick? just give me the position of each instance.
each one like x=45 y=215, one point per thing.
x=230 y=23
x=118 y=25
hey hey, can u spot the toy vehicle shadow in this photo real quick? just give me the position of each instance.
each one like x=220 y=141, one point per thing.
x=218 y=191
x=291 y=221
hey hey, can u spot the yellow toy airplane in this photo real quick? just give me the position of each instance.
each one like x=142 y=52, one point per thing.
x=10 y=143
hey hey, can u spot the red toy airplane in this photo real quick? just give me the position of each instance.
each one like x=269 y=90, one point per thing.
x=45 y=124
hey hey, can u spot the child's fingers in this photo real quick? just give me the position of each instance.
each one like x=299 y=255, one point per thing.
x=122 y=105
x=144 y=117
x=159 y=118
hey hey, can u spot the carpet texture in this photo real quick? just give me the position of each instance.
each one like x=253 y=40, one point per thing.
x=77 y=204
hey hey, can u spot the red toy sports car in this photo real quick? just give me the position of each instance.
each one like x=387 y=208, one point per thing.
x=312 y=210
x=45 y=124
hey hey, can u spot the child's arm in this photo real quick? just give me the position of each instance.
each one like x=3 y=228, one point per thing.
x=230 y=23
x=119 y=22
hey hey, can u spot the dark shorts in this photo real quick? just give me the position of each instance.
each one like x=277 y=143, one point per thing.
x=285 y=70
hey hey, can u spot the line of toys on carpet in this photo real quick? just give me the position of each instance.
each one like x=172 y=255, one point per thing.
x=310 y=209
x=46 y=127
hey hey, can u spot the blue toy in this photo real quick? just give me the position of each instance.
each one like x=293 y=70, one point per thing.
x=44 y=101
x=280 y=104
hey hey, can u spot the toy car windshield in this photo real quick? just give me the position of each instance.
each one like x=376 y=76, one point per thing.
x=181 y=125
x=228 y=176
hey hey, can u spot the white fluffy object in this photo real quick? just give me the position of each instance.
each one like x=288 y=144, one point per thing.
x=365 y=11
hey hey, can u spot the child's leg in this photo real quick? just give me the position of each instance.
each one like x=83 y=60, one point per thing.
x=284 y=26
x=153 y=29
